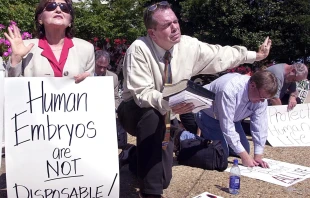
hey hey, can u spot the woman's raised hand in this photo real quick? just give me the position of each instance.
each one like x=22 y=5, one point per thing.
x=19 y=50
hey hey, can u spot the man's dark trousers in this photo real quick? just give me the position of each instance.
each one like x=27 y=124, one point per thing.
x=154 y=165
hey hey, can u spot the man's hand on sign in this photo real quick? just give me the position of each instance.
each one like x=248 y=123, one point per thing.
x=291 y=102
x=247 y=160
x=260 y=161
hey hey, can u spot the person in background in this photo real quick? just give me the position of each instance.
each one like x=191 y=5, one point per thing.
x=165 y=56
x=56 y=52
x=287 y=76
x=102 y=61
x=237 y=97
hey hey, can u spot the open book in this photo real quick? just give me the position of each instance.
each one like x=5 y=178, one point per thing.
x=187 y=91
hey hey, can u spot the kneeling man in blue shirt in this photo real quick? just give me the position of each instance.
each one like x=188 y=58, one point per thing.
x=238 y=97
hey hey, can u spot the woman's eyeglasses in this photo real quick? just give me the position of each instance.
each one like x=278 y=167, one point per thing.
x=51 y=6
x=154 y=6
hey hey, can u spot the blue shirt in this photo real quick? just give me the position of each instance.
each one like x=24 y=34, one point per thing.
x=232 y=104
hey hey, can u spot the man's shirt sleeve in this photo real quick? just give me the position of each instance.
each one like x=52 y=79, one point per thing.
x=226 y=110
x=141 y=83
x=217 y=58
x=259 y=128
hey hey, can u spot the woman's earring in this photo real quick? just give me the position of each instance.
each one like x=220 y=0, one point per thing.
x=70 y=25
x=40 y=21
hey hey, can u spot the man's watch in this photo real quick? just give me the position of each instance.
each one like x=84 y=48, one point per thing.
x=293 y=95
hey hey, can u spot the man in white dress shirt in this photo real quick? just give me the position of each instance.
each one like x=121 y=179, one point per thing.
x=143 y=108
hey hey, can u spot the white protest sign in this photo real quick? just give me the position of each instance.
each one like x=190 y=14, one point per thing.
x=61 y=138
x=2 y=75
x=280 y=173
x=289 y=128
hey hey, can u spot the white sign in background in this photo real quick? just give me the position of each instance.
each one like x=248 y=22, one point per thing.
x=289 y=128
x=280 y=173
x=61 y=149
x=303 y=89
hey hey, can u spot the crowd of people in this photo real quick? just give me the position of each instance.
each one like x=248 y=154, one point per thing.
x=142 y=111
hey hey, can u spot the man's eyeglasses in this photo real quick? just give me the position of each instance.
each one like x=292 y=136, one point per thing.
x=51 y=6
x=153 y=7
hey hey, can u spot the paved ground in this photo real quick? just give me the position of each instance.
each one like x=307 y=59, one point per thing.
x=188 y=182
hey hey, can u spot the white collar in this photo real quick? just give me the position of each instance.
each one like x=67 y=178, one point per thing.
x=161 y=52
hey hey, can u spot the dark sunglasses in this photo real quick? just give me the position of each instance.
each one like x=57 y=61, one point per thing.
x=51 y=6
x=153 y=7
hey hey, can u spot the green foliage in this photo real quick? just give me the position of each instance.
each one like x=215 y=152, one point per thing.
x=225 y=22
x=117 y=19
x=248 y=22
x=21 y=11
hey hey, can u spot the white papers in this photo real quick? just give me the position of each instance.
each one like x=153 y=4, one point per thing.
x=280 y=173
x=61 y=138
x=207 y=195
x=188 y=97
x=289 y=128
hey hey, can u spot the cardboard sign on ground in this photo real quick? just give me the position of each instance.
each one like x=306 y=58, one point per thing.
x=280 y=173
x=303 y=89
x=61 y=138
x=289 y=128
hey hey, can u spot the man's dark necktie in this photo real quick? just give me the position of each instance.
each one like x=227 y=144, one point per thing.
x=167 y=79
